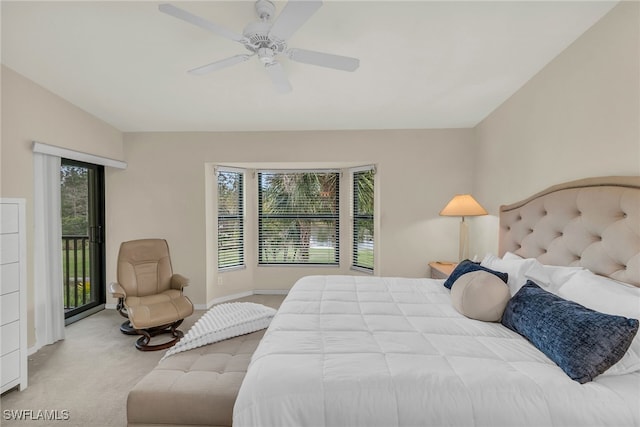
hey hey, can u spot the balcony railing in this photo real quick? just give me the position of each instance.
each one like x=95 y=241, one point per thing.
x=76 y=272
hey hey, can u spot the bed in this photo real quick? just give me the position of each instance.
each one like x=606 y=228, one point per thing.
x=380 y=351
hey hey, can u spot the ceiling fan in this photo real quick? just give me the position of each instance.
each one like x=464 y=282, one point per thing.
x=267 y=39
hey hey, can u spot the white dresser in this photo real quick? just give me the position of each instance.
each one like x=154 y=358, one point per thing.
x=13 y=306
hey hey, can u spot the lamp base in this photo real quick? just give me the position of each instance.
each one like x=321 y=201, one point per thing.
x=463 y=251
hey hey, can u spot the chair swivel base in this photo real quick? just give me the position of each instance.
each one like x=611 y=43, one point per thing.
x=127 y=329
x=142 y=343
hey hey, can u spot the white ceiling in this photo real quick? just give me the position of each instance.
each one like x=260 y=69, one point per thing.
x=423 y=64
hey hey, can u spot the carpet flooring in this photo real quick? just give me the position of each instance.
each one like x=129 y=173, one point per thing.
x=83 y=380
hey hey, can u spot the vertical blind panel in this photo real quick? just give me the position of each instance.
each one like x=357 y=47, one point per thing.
x=230 y=219
x=298 y=217
x=363 y=239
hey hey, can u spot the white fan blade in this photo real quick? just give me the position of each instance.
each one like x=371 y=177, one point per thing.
x=328 y=60
x=176 y=12
x=278 y=77
x=219 y=64
x=294 y=14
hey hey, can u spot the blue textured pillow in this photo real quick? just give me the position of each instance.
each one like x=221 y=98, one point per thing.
x=582 y=342
x=468 y=266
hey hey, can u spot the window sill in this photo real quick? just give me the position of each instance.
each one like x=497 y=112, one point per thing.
x=301 y=265
x=362 y=269
x=234 y=268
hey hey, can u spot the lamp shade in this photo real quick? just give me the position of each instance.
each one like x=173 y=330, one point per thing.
x=463 y=205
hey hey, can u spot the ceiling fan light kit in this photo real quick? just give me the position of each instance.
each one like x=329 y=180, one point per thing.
x=267 y=39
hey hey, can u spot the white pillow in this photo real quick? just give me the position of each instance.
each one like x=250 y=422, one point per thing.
x=510 y=256
x=550 y=277
x=602 y=294
x=553 y=277
x=517 y=268
x=611 y=297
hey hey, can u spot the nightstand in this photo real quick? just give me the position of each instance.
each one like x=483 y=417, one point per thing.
x=441 y=270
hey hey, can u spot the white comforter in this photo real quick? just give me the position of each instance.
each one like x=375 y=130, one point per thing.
x=367 y=351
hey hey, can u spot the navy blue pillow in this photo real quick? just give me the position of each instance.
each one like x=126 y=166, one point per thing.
x=468 y=266
x=582 y=342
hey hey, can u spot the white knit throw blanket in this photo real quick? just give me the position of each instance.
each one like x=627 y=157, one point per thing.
x=222 y=322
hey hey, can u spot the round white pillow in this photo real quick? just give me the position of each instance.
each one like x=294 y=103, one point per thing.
x=480 y=295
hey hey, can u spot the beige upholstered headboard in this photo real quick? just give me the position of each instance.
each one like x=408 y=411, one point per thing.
x=593 y=223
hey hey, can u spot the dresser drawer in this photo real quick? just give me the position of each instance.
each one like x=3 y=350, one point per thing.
x=9 y=248
x=9 y=278
x=10 y=337
x=9 y=367
x=10 y=306
x=9 y=217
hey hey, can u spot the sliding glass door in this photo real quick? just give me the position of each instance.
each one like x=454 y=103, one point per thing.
x=82 y=213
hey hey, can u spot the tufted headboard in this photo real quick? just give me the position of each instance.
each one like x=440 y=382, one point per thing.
x=593 y=223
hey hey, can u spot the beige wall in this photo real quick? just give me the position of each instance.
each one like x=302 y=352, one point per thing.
x=162 y=193
x=31 y=113
x=578 y=117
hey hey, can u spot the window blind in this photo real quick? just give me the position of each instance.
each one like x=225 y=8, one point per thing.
x=298 y=217
x=230 y=219
x=363 y=239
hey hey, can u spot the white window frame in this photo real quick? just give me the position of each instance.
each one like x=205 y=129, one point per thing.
x=354 y=217
x=338 y=218
x=243 y=216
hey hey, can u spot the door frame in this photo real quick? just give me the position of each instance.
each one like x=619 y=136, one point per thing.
x=96 y=213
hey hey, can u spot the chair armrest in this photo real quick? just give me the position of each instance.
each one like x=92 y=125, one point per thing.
x=178 y=282
x=116 y=290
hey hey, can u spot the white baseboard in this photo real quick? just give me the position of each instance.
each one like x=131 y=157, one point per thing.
x=243 y=295
x=271 y=292
x=226 y=298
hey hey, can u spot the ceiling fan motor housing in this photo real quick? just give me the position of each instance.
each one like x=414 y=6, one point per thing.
x=257 y=34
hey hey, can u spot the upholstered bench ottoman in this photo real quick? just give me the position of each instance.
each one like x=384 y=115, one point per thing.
x=195 y=387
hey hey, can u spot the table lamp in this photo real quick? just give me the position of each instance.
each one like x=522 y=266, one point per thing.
x=463 y=205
